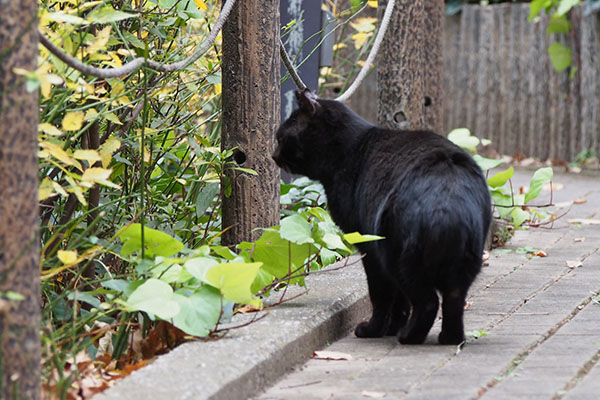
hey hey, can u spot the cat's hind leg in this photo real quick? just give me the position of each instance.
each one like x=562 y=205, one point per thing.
x=425 y=306
x=453 y=303
x=399 y=313
x=382 y=290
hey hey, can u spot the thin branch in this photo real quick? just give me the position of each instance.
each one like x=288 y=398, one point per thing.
x=290 y=67
x=137 y=63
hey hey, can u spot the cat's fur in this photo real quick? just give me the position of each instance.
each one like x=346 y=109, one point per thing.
x=425 y=195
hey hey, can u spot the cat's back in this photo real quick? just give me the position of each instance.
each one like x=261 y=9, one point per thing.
x=412 y=176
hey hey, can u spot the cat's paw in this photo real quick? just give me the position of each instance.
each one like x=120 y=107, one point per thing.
x=368 y=330
x=454 y=338
x=396 y=324
x=412 y=339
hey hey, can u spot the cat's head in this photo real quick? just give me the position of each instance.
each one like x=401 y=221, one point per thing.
x=316 y=137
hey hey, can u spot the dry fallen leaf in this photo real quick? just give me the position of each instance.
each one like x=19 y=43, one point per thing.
x=331 y=355
x=555 y=186
x=584 y=221
x=373 y=395
x=579 y=239
x=486 y=255
x=580 y=200
x=540 y=253
x=574 y=264
x=563 y=204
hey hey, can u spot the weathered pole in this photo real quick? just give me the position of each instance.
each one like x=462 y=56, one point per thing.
x=433 y=66
x=400 y=67
x=251 y=107
x=19 y=249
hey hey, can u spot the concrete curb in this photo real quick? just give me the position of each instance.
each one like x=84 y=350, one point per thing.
x=253 y=357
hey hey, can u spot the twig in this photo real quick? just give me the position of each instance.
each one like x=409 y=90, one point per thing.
x=137 y=63
x=290 y=67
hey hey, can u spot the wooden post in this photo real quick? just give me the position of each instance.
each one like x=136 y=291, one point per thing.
x=251 y=107
x=400 y=68
x=432 y=64
x=19 y=249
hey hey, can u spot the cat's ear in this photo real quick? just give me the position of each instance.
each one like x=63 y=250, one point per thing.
x=307 y=101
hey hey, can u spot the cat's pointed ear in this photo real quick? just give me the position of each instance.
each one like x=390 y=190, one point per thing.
x=307 y=101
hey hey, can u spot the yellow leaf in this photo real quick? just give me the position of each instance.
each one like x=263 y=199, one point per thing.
x=359 y=39
x=59 y=189
x=90 y=114
x=372 y=3
x=101 y=40
x=107 y=150
x=58 y=153
x=112 y=117
x=67 y=256
x=76 y=190
x=98 y=175
x=72 y=121
x=200 y=4
x=91 y=156
x=366 y=24
x=49 y=129
x=45 y=190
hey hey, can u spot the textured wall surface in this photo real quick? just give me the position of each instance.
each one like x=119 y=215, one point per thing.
x=500 y=82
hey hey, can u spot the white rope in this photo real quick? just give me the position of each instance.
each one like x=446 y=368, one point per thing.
x=365 y=69
x=136 y=63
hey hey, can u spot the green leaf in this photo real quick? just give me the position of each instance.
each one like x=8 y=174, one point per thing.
x=224 y=252
x=156 y=243
x=487 y=163
x=169 y=271
x=539 y=179
x=334 y=241
x=205 y=197
x=276 y=253
x=356 y=237
x=84 y=297
x=263 y=278
x=10 y=295
x=107 y=15
x=234 y=280
x=199 y=266
x=462 y=138
x=565 y=6
x=536 y=6
x=66 y=18
x=154 y=297
x=500 y=178
x=560 y=56
x=296 y=229
x=328 y=256
x=519 y=216
x=558 y=25
x=199 y=313
x=119 y=285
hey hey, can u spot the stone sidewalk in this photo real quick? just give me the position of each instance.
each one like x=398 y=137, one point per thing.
x=541 y=317
x=539 y=321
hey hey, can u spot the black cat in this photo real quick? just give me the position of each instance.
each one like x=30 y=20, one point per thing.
x=424 y=194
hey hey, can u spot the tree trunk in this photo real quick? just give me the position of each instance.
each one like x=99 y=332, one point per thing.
x=400 y=68
x=251 y=106
x=432 y=64
x=19 y=249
